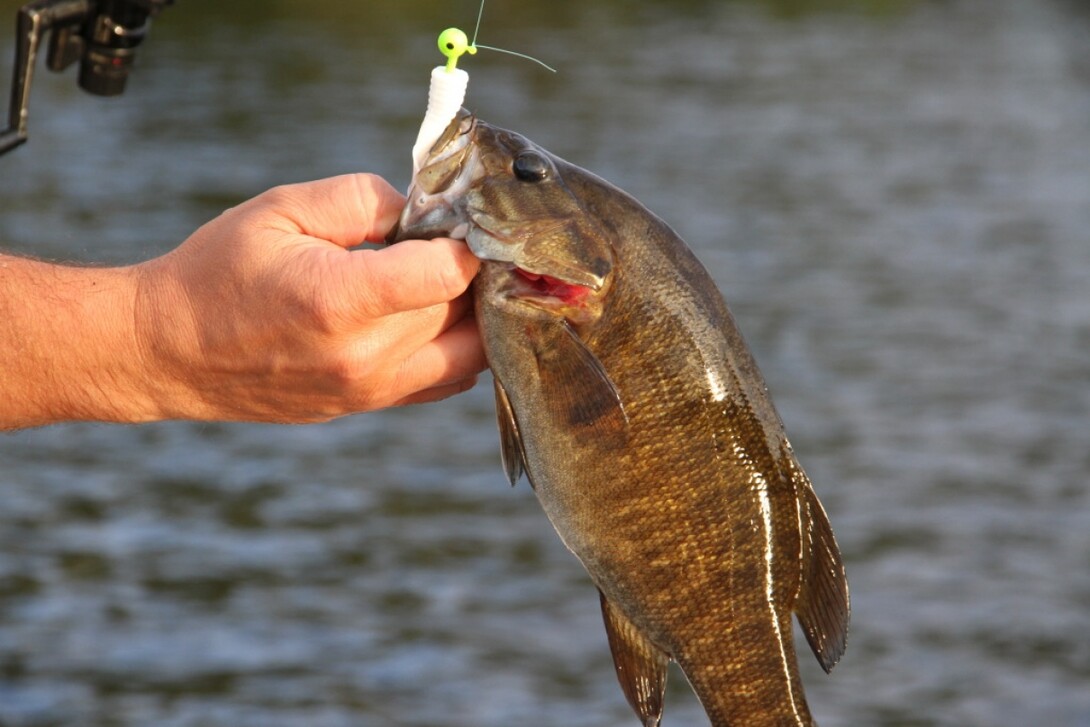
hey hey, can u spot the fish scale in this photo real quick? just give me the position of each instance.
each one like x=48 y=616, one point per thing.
x=627 y=395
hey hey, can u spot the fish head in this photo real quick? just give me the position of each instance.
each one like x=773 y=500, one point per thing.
x=508 y=199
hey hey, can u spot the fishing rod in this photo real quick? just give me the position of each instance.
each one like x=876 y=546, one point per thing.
x=102 y=35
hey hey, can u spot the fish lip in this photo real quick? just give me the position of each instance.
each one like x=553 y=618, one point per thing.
x=571 y=276
x=432 y=208
x=456 y=142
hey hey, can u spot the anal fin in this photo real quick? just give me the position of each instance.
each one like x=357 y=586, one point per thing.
x=641 y=666
x=823 y=607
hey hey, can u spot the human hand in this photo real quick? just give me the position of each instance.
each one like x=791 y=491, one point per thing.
x=267 y=314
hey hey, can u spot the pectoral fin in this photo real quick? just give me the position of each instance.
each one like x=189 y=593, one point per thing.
x=576 y=378
x=641 y=666
x=510 y=441
x=823 y=606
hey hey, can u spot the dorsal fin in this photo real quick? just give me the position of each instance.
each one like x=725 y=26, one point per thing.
x=823 y=607
x=641 y=666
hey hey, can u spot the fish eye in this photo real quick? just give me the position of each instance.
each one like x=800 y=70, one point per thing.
x=529 y=166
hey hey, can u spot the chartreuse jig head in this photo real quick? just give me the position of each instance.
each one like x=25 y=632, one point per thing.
x=453 y=43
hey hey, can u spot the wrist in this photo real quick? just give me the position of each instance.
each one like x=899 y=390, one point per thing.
x=167 y=339
x=115 y=381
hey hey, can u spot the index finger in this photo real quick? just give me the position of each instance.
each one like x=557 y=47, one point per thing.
x=344 y=210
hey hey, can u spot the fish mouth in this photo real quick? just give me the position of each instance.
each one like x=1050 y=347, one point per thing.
x=546 y=289
x=545 y=293
x=547 y=285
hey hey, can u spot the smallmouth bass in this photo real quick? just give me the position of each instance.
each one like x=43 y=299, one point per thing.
x=626 y=394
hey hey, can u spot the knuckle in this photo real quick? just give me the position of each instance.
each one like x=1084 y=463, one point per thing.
x=344 y=374
x=325 y=313
x=278 y=195
x=360 y=377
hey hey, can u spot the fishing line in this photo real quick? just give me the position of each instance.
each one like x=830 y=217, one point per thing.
x=474 y=44
x=538 y=61
x=477 y=29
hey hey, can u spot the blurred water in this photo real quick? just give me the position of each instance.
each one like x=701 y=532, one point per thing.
x=895 y=199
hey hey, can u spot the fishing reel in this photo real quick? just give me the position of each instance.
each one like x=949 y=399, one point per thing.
x=102 y=35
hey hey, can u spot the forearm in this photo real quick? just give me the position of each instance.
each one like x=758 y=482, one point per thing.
x=68 y=349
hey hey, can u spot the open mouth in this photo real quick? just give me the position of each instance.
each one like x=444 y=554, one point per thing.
x=547 y=291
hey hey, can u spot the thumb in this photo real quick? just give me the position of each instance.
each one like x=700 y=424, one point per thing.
x=410 y=275
x=344 y=210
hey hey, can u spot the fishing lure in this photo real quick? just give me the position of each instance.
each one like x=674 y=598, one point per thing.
x=447 y=89
x=446 y=93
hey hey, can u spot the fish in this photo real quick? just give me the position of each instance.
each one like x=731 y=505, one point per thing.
x=628 y=397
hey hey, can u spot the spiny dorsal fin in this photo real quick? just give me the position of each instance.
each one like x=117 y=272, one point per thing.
x=641 y=666
x=510 y=441
x=823 y=607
